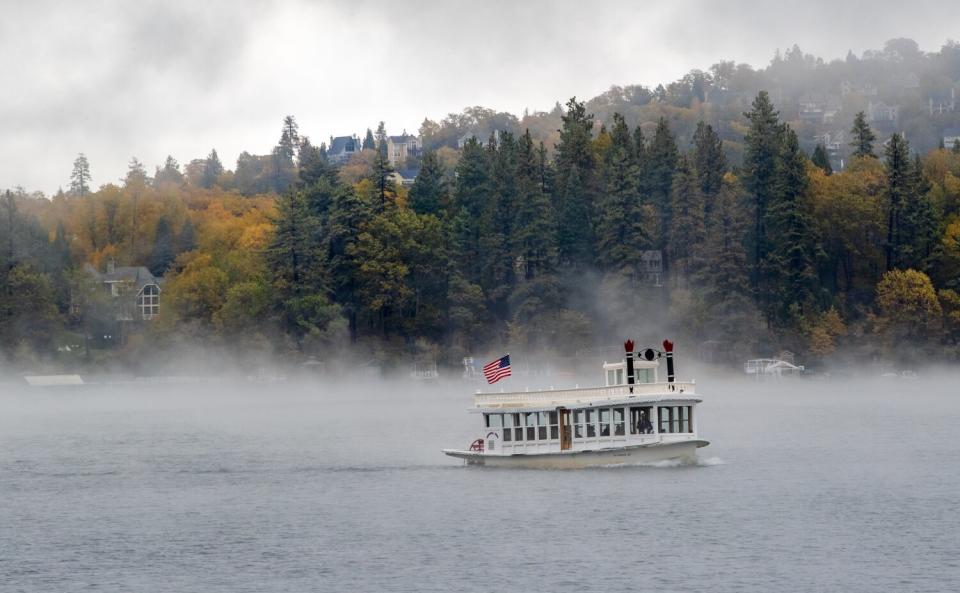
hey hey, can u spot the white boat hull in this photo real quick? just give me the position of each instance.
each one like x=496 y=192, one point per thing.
x=631 y=455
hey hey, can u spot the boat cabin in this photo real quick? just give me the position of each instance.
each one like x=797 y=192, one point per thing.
x=619 y=414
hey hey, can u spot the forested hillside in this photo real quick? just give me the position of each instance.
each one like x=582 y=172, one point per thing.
x=810 y=205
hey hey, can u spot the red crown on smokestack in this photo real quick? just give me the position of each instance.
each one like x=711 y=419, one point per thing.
x=628 y=346
x=668 y=346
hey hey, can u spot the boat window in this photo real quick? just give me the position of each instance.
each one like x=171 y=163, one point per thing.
x=514 y=421
x=684 y=414
x=554 y=427
x=578 y=424
x=640 y=420
x=494 y=420
x=604 y=422
x=588 y=416
x=665 y=414
x=531 y=424
x=619 y=376
x=618 y=422
x=644 y=375
x=542 y=426
x=610 y=377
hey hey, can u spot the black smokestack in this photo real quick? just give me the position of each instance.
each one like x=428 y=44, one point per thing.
x=668 y=348
x=628 y=346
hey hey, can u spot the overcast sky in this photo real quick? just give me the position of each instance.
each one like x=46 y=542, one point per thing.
x=147 y=79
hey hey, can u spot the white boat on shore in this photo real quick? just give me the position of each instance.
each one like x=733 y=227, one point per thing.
x=632 y=419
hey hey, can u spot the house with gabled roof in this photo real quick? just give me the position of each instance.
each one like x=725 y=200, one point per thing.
x=342 y=148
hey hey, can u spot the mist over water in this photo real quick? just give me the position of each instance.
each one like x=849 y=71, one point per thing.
x=809 y=485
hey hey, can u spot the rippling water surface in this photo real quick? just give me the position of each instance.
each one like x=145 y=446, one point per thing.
x=808 y=486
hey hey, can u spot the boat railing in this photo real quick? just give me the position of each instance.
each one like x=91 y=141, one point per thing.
x=585 y=394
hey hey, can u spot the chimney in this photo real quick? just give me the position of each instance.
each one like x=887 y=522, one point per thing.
x=668 y=348
x=628 y=346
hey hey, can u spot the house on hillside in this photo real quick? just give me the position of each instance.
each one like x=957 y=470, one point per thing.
x=951 y=136
x=133 y=290
x=342 y=148
x=399 y=148
x=651 y=267
x=941 y=102
x=880 y=112
x=462 y=140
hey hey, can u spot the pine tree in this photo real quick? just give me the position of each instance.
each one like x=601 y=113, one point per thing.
x=956 y=146
x=687 y=232
x=863 y=137
x=368 y=142
x=709 y=161
x=349 y=214
x=534 y=227
x=763 y=140
x=187 y=240
x=921 y=220
x=428 y=195
x=791 y=263
x=622 y=228
x=575 y=177
x=496 y=260
x=821 y=159
x=314 y=164
x=661 y=162
x=80 y=177
x=169 y=174
x=136 y=174
x=899 y=187
x=472 y=192
x=212 y=169
x=163 y=248
x=383 y=184
x=724 y=278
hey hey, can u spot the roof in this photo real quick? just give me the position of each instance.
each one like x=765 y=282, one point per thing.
x=951 y=132
x=139 y=276
x=408 y=172
x=402 y=139
x=342 y=144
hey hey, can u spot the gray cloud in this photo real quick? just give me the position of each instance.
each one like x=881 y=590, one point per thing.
x=116 y=79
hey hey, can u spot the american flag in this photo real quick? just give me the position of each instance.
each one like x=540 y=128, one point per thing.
x=497 y=369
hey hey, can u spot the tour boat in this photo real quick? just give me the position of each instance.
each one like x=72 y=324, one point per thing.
x=632 y=419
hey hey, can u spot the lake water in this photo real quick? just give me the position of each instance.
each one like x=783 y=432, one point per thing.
x=806 y=486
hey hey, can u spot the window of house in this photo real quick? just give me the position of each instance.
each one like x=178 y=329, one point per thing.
x=148 y=301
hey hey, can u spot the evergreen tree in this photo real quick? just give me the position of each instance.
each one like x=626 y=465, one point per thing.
x=899 y=187
x=289 y=140
x=575 y=173
x=496 y=219
x=821 y=159
x=368 y=142
x=661 y=162
x=349 y=214
x=724 y=278
x=428 y=195
x=956 y=146
x=763 y=142
x=212 y=169
x=921 y=220
x=170 y=173
x=472 y=192
x=297 y=261
x=709 y=161
x=863 y=137
x=622 y=227
x=314 y=164
x=534 y=228
x=791 y=263
x=163 y=252
x=80 y=177
x=187 y=240
x=136 y=174
x=688 y=232
x=383 y=184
